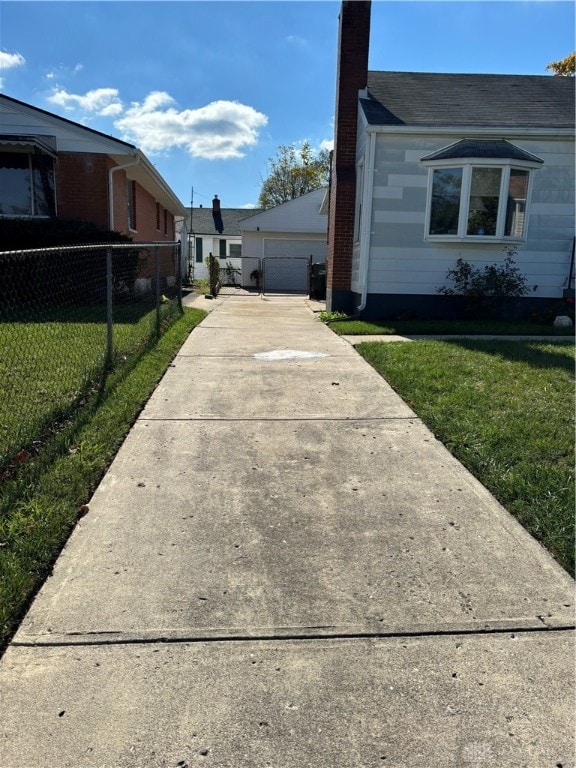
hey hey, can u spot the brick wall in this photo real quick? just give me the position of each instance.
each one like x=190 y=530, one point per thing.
x=82 y=187
x=82 y=195
x=353 y=43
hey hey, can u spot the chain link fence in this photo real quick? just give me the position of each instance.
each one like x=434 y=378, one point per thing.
x=67 y=317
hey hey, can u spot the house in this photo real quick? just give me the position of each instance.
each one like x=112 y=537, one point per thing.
x=215 y=231
x=284 y=239
x=51 y=167
x=429 y=168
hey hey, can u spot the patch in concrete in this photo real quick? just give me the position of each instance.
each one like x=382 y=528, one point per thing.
x=289 y=354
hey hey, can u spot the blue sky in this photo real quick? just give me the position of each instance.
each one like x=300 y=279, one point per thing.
x=210 y=90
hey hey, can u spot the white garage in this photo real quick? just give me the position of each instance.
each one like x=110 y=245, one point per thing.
x=285 y=263
x=284 y=239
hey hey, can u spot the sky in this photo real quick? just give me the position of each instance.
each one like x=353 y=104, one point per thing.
x=210 y=90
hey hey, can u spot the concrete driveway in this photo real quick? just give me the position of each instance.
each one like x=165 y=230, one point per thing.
x=283 y=568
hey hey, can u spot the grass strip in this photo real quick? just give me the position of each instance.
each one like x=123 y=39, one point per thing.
x=41 y=505
x=437 y=327
x=506 y=411
x=51 y=360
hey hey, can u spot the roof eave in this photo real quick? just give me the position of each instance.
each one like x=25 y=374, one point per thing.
x=147 y=175
x=471 y=131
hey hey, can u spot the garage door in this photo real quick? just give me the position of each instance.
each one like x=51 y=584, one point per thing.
x=285 y=263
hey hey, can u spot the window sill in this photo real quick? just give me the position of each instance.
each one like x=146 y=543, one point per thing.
x=482 y=239
x=24 y=216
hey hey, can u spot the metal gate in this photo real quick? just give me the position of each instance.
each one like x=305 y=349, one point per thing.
x=285 y=274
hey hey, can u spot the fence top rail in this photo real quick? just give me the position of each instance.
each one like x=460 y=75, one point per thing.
x=92 y=247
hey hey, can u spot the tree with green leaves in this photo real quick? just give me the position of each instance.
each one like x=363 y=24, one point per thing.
x=565 y=67
x=295 y=171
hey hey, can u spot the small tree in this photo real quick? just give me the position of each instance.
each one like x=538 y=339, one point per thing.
x=294 y=172
x=565 y=67
x=486 y=289
x=213 y=274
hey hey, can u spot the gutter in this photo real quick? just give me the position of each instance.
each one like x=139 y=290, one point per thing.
x=472 y=131
x=366 y=224
x=113 y=170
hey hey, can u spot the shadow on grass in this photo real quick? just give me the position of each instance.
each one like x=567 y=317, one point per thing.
x=538 y=354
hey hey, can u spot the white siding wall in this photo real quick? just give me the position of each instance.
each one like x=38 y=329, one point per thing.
x=401 y=261
x=295 y=216
x=69 y=139
x=361 y=179
x=211 y=245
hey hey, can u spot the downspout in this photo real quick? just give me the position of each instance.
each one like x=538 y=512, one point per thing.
x=111 y=188
x=366 y=224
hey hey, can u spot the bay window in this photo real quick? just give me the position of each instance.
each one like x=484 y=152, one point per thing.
x=484 y=196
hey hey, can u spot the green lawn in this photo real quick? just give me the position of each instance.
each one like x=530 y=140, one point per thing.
x=434 y=327
x=41 y=503
x=506 y=411
x=49 y=364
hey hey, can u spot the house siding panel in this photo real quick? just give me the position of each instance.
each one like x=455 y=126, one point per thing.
x=299 y=215
x=402 y=262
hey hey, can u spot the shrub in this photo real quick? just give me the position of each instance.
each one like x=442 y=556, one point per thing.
x=213 y=274
x=488 y=288
x=28 y=234
x=70 y=277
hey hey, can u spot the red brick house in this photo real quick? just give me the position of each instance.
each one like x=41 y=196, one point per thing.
x=51 y=167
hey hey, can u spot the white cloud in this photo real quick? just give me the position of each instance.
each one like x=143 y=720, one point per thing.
x=249 y=206
x=327 y=144
x=218 y=131
x=11 y=60
x=63 y=72
x=101 y=101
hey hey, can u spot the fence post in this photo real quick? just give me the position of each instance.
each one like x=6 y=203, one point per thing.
x=179 y=274
x=109 y=310
x=157 y=264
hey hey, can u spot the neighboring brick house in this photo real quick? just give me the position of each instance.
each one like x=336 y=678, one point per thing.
x=429 y=168
x=215 y=231
x=51 y=167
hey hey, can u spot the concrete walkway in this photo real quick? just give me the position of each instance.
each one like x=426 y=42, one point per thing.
x=283 y=568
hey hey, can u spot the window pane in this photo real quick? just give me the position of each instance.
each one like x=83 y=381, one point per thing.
x=235 y=250
x=15 y=184
x=484 y=197
x=43 y=178
x=199 y=250
x=446 y=186
x=516 y=205
x=131 y=199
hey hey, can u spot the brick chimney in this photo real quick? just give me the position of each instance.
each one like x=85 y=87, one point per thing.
x=217 y=215
x=352 y=76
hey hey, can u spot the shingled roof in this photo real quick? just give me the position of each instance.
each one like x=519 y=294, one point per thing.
x=493 y=148
x=204 y=222
x=508 y=101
